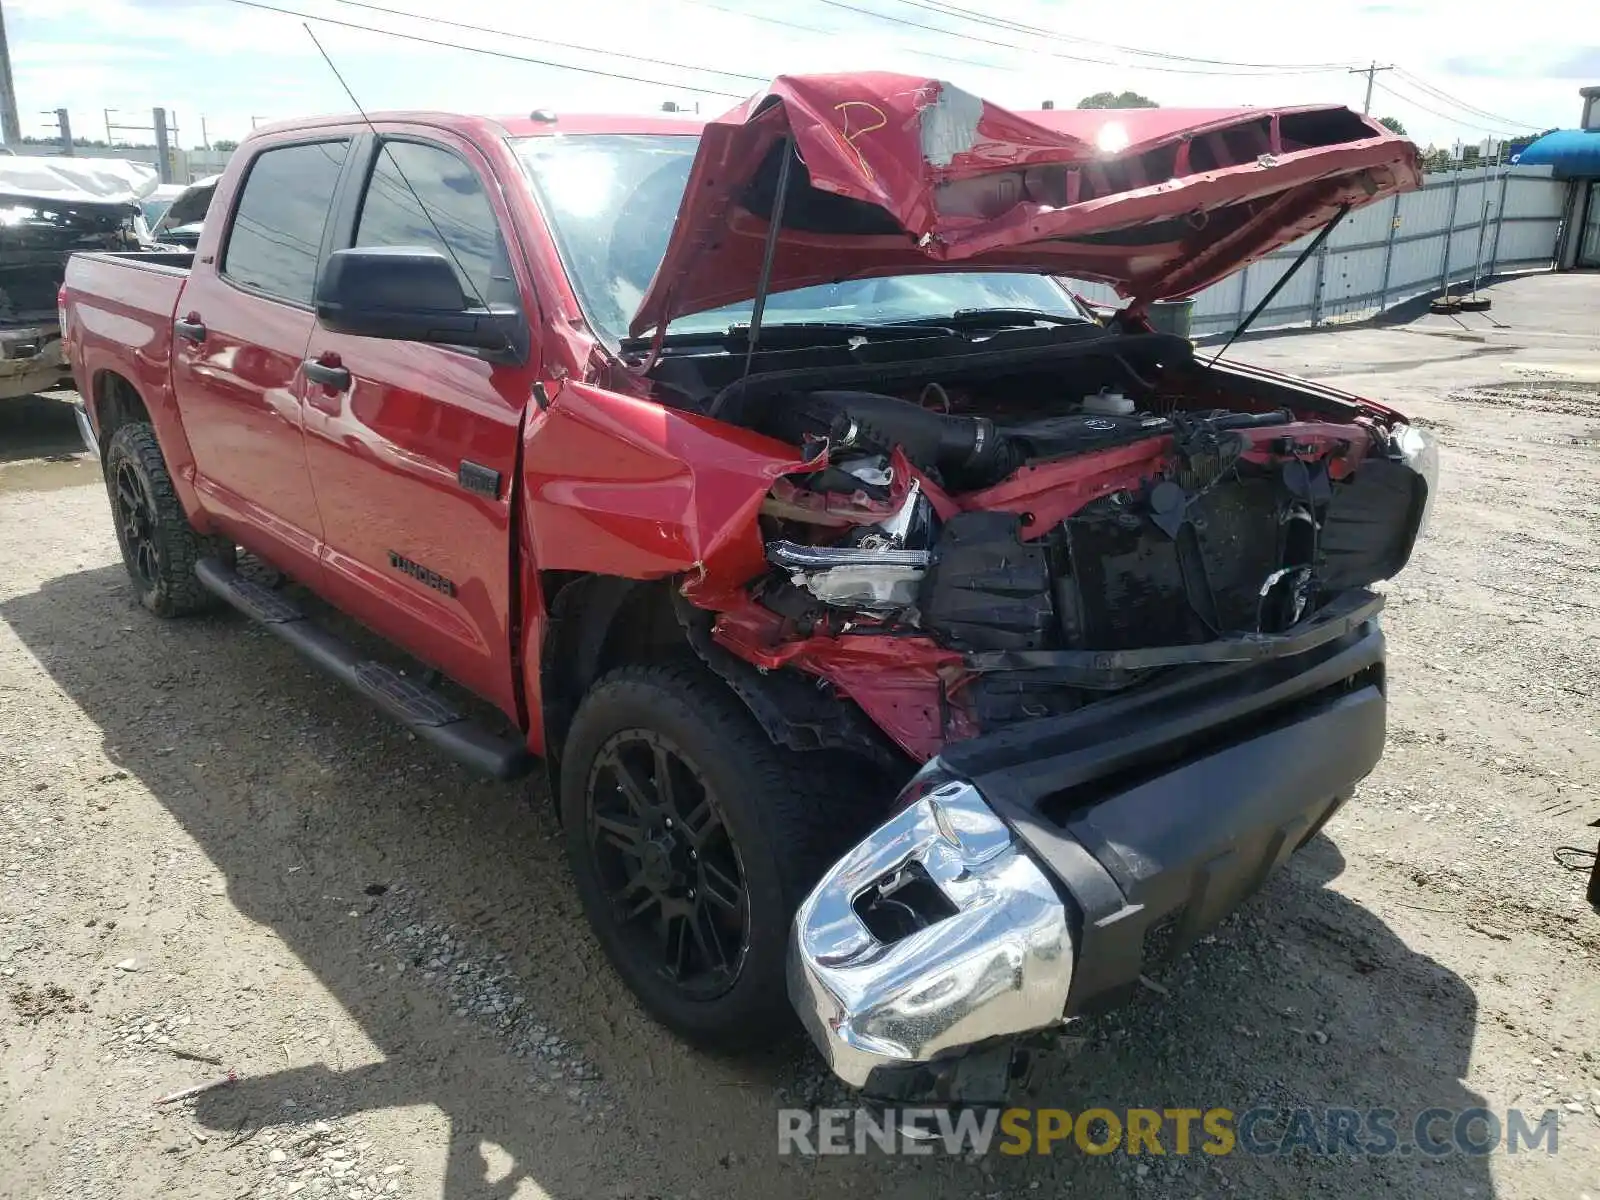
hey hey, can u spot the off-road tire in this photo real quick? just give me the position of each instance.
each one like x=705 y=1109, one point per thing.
x=789 y=815
x=170 y=589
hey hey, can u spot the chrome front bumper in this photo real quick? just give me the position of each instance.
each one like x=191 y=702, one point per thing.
x=992 y=958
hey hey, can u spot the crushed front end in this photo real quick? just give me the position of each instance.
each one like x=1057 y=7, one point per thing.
x=1035 y=873
x=1135 y=652
x=1103 y=603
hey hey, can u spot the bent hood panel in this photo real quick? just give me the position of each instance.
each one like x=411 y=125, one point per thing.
x=76 y=180
x=896 y=175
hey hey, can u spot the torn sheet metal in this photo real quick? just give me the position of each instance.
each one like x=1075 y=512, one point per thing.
x=900 y=174
x=76 y=180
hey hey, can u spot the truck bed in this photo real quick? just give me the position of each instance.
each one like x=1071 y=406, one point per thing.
x=120 y=306
x=167 y=260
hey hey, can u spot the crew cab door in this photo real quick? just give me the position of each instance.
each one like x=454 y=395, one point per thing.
x=412 y=447
x=239 y=336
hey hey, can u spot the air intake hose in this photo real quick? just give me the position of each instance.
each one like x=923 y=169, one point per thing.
x=966 y=446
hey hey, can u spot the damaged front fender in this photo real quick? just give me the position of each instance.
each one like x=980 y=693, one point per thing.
x=618 y=485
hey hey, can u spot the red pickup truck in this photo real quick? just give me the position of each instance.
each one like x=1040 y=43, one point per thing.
x=904 y=643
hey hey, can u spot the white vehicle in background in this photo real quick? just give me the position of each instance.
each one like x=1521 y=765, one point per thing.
x=154 y=206
x=180 y=223
x=51 y=207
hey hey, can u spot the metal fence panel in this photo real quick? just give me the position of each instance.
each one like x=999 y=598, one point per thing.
x=1457 y=225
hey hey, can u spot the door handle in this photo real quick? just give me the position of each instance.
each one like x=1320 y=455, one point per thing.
x=336 y=378
x=190 y=328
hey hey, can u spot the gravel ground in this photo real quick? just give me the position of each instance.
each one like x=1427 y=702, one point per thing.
x=212 y=859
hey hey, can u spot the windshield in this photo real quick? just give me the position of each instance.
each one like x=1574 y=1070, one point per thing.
x=190 y=207
x=153 y=209
x=611 y=200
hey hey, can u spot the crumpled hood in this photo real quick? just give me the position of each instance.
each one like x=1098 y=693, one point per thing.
x=897 y=175
x=76 y=180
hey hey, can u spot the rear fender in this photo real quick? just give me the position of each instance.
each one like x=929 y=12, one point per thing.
x=117 y=400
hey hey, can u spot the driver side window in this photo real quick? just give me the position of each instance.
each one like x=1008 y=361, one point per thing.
x=422 y=195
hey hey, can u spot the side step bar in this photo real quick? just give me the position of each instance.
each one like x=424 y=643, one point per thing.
x=420 y=709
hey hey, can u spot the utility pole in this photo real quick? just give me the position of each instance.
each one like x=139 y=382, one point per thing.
x=1369 y=72
x=10 y=122
x=63 y=130
x=163 y=148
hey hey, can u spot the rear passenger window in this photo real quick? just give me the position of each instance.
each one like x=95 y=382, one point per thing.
x=277 y=226
x=425 y=196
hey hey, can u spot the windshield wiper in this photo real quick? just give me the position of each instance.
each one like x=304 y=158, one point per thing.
x=791 y=333
x=997 y=318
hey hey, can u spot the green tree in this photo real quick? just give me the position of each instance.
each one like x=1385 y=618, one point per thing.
x=1392 y=124
x=224 y=144
x=1117 y=100
x=1437 y=159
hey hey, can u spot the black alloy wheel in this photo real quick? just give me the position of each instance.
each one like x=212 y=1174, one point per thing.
x=159 y=545
x=136 y=522
x=692 y=840
x=668 y=865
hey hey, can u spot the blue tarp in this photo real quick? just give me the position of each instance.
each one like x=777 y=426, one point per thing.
x=1569 y=151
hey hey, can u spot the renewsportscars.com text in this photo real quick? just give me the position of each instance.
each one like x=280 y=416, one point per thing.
x=1377 y=1132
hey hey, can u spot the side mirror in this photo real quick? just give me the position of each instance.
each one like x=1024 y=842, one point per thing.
x=406 y=294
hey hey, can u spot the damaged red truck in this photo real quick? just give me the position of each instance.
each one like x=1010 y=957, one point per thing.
x=904 y=644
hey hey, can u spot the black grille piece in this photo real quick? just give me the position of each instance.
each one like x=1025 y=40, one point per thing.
x=1126 y=583
x=987 y=588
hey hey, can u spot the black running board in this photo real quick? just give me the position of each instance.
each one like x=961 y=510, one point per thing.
x=420 y=709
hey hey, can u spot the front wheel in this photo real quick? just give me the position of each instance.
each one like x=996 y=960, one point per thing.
x=159 y=546
x=692 y=840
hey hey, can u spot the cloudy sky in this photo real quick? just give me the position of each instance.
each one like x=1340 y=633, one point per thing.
x=1465 y=69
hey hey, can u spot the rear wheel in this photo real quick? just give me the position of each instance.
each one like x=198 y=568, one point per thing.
x=159 y=546
x=692 y=840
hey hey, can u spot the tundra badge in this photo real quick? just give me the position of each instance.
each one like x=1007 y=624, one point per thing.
x=421 y=574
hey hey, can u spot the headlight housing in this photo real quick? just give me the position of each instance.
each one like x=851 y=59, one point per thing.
x=1419 y=451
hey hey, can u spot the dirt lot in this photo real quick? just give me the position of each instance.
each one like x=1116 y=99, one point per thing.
x=207 y=851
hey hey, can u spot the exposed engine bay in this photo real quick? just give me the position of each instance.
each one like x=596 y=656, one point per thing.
x=1057 y=533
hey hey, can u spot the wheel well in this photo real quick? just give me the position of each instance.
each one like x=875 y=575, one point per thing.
x=601 y=622
x=597 y=623
x=116 y=403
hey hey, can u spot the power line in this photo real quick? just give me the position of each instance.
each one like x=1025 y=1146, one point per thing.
x=1103 y=62
x=506 y=54
x=1021 y=27
x=967 y=61
x=1412 y=100
x=523 y=37
x=1462 y=104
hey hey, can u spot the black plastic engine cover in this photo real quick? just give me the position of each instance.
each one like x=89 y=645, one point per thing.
x=988 y=589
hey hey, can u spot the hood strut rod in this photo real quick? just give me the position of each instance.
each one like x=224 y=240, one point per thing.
x=769 y=252
x=1316 y=244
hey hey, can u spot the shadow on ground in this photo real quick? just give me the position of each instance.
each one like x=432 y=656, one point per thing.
x=38 y=427
x=301 y=795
